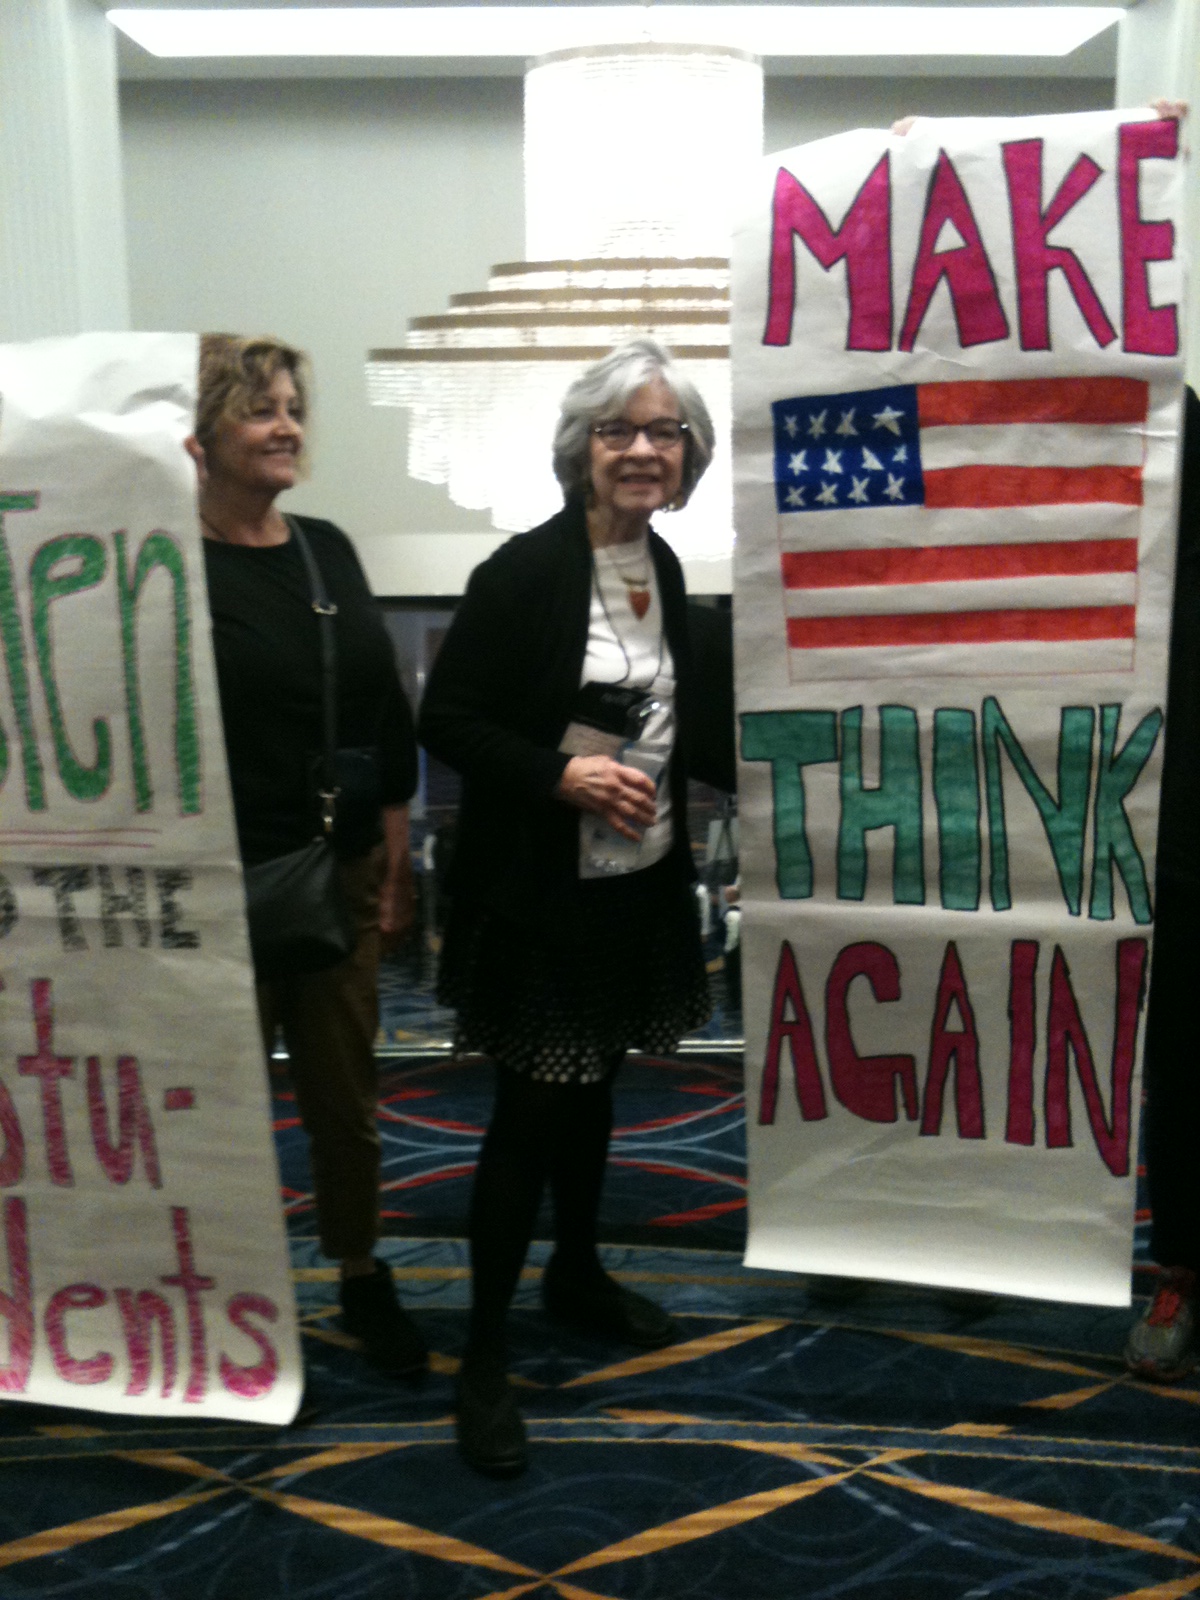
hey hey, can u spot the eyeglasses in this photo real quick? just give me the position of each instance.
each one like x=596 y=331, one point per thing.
x=663 y=433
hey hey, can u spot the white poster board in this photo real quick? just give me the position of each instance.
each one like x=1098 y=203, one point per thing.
x=957 y=385
x=143 y=1260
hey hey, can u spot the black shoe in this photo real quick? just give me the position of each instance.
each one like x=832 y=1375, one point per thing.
x=598 y=1304
x=491 y=1434
x=371 y=1312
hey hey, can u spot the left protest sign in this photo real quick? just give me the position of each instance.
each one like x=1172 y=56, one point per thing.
x=143 y=1260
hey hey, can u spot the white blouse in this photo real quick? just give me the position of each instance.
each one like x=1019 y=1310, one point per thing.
x=631 y=650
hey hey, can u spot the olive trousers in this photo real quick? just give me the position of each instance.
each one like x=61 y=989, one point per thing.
x=329 y=1022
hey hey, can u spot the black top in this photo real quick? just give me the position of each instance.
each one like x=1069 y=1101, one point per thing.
x=499 y=699
x=269 y=677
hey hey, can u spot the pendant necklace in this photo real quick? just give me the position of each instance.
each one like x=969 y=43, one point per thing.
x=624 y=678
x=637 y=585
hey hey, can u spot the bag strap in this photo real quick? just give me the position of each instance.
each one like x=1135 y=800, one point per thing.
x=325 y=612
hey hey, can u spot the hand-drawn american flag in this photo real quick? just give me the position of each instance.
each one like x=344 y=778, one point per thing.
x=973 y=526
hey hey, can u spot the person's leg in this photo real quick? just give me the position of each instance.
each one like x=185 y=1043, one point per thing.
x=575 y=1287
x=1162 y=1343
x=329 y=1022
x=509 y=1180
x=578 y=1160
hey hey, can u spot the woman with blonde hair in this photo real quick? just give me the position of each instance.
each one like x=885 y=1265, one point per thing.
x=247 y=446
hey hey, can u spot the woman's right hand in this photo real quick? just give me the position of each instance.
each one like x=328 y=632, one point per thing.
x=623 y=796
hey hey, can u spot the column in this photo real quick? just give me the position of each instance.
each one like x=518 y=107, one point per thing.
x=62 y=226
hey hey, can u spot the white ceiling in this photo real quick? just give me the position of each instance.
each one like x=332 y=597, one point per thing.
x=1095 y=59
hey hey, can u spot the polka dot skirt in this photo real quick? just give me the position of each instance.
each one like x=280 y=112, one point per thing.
x=620 y=969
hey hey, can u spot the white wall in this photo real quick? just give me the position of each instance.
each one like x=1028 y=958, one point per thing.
x=327 y=213
x=330 y=211
x=799 y=109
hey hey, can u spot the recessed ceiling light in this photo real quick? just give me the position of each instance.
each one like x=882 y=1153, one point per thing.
x=492 y=30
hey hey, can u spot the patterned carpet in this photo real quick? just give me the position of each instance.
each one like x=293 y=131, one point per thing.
x=807 y=1439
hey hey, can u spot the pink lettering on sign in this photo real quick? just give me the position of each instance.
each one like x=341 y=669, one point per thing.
x=12 y=1163
x=141 y=1313
x=49 y=1068
x=965 y=267
x=1035 y=257
x=866 y=1085
x=1148 y=329
x=864 y=242
x=1066 y=1036
x=791 y=1025
x=251 y=1383
x=1022 y=1035
x=16 y=1304
x=193 y=1284
x=957 y=1046
x=133 y=1123
x=73 y=1369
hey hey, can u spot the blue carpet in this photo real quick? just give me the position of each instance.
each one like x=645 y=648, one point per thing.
x=677 y=1170
x=808 y=1439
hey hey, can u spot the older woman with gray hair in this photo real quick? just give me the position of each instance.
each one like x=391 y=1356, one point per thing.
x=563 y=694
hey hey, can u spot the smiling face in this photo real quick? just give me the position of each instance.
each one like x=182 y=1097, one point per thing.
x=642 y=478
x=261 y=450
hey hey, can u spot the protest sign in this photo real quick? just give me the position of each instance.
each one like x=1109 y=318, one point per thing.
x=957 y=385
x=143 y=1262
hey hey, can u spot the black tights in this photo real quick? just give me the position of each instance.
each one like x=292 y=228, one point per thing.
x=538 y=1131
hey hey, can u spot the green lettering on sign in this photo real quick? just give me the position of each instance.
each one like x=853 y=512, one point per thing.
x=956 y=794
x=790 y=741
x=13 y=639
x=159 y=550
x=1112 y=836
x=1064 y=819
x=894 y=803
x=81 y=781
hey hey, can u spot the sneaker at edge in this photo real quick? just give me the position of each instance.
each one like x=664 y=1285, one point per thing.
x=1162 y=1344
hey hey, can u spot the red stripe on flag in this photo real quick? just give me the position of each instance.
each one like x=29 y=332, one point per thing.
x=984 y=488
x=836 y=569
x=962 y=627
x=942 y=405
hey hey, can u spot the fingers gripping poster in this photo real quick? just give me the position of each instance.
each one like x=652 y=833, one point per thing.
x=957 y=389
x=143 y=1263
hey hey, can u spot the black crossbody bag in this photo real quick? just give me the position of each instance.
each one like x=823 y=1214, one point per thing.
x=297 y=913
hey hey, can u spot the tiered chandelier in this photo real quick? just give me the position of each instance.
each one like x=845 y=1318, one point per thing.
x=633 y=159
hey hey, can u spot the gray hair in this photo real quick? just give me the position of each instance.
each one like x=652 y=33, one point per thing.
x=600 y=394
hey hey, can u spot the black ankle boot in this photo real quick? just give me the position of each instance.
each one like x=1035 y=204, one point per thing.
x=491 y=1434
x=598 y=1304
x=371 y=1312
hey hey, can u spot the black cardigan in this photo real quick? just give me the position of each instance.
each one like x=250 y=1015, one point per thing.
x=498 y=702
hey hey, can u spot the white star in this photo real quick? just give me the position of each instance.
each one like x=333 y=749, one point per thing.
x=846 y=425
x=795 y=495
x=870 y=461
x=798 y=463
x=895 y=488
x=900 y=453
x=833 y=461
x=828 y=494
x=890 y=419
x=790 y=424
x=816 y=425
x=858 y=491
